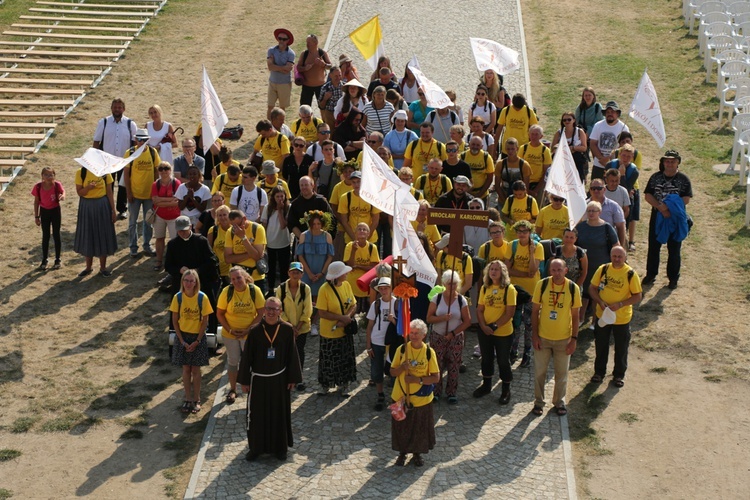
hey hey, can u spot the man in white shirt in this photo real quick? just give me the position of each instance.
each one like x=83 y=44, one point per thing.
x=248 y=197
x=603 y=139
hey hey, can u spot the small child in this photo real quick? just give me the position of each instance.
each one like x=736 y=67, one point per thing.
x=47 y=197
x=190 y=309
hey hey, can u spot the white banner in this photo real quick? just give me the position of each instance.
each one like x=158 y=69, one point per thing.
x=414 y=62
x=380 y=184
x=100 y=163
x=563 y=181
x=436 y=98
x=492 y=55
x=645 y=110
x=213 y=117
x=407 y=245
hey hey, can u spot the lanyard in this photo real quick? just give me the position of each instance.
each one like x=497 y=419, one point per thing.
x=271 y=340
x=557 y=294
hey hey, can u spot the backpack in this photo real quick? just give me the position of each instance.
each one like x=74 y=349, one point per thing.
x=315 y=121
x=132 y=143
x=486 y=139
x=302 y=289
x=432 y=114
x=486 y=154
x=150 y=150
x=239 y=196
x=443 y=183
x=200 y=301
x=571 y=286
x=542 y=263
x=512 y=198
x=429 y=350
x=230 y=293
x=506 y=108
x=464 y=259
x=603 y=277
x=413 y=146
x=525 y=147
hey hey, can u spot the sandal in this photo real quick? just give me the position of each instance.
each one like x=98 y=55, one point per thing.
x=597 y=379
x=537 y=410
x=417 y=460
x=618 y=382
x=157 y=266
x=561 y=410
x=231 y=396
x=196 y=407
x=186 y=407
x=401 y=460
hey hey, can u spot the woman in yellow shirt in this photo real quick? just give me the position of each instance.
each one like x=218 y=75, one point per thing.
x=217 y=238
x=336 y=305
x=190 y=310
x=95 y=229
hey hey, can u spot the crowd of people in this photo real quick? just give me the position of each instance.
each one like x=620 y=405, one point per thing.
x=277 y=249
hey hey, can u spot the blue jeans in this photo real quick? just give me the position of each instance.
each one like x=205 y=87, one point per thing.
x=134 y=208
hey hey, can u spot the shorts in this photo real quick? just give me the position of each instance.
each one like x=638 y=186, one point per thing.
x=234 y=353
x=280 y=91
x=635 y=207
x=161 y=226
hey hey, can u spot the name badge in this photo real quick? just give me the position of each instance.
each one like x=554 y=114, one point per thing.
x=271 y=353
x=494 y=292
x=553 y=315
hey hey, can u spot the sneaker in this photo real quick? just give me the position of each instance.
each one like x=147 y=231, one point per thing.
x=43 y=265
x=134 y=255
x=477 y=352
x=57 y=265
x=452 y=400
x=513 y=357
x=525 y=361
x=672 y=284
x=380 y=403
x=314 y=332
x=122 y=216
x=631 y=246
x=648 y=279
x=482 y=390
x=344 y=390
x=149 y=252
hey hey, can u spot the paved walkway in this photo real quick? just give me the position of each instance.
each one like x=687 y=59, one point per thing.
x=342 y=446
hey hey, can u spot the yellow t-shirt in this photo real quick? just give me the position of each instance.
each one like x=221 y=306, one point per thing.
x=489 y=252
x=189 y=315
x=307 y=130
x=362 y=257
x=430 y=230
x=142 y=173
x=492 y=298
x=274 y=148
x=252 y=230
x=222 y=167
x=220 y=236
x=518 y=209
x=242 y=310
x=265 y=186
x=225 y=184
x=100 y=190
x=420 y=154
x=521 y=263
x=327 y=301
x=481 y=166
x=616 y=288
x=555 y=316
x=358 y=211
x=339 y=189
x=419 y=366
x=447 y=262
x=516 y=123
x=552 y=222
x=295 y=310
x=390 y=161
x=537 y=157
x=433 y=189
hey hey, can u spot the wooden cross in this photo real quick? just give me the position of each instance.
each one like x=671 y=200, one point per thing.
x=456 y=220
x=398 y=273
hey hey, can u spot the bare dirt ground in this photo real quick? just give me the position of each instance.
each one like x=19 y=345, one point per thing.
x=89 y=397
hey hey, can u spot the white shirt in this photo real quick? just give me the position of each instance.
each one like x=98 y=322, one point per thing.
x=115 y=137
x=379 y=327
x=203 y=193
x=249 y=201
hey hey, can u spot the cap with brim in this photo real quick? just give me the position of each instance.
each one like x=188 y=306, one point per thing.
x=400 y=115
x=182 y=223
x=142 y=133
x=356 y=175
x=354 y=83
x=269 y=168
x=296 y=266
x=608 y=317
x=343 y=58
x=443 y=241
x=336 y=270
x=279 y=31
x=672 y=154
x=462 y=179
x=384 y=282
x=612 y=105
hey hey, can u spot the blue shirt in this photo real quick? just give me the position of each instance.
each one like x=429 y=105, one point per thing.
x=280 y=58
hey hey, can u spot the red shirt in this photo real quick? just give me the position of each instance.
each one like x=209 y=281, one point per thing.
x=48 y=198
x=158 y=189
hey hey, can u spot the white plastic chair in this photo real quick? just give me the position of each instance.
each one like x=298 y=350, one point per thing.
x=698 y=9
x=742 y=104
x=729 y=73
x=742 y=29
x=738 y=8
x=740 y=124
x=741 y=18
x=711 y=31
x=744 y=143
x=716 y=45
x=730 y=96
x=747 y=204
x=723 y=57
x=713 y=18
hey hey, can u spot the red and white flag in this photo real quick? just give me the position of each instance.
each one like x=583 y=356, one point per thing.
x=213 y=117
x=645 y=110
x=563 y=181
x=492 y=55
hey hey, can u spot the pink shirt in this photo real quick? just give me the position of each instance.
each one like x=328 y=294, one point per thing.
x=48 y=198
x=157 y=189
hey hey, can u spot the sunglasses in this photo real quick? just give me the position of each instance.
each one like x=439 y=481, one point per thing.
x=451 y=150
x=597 y=188
x=372 y=142
x=567 y=120
x=481 y=93
x=164 y=169
x=297 y=145
x=557 y=199
x=325 y=132
x=282 y=39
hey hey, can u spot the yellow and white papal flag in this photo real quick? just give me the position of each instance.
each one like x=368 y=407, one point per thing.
x=492 y=55
x=213 y=117
x=645 y=110
x=100 y=163
x=563 y=181
x=368 y=39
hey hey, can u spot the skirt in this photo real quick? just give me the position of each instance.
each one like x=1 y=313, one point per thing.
x=95 y=231
x=415 y=433
x=337 y=364
x=199 y=357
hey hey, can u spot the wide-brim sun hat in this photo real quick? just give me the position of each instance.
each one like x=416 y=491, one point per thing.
x=269 y=168
x=354 y=83
x=384 y=281
x=279 y=31
x=336 y=270
x=443 y=241
x=142 y=133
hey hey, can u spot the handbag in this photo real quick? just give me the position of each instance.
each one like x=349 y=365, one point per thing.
x=298 y=78
x=398 y=410
x=352 y=328
x=150 y=216
x=262 y=264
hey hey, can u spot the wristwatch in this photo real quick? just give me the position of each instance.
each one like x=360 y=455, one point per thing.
x=420 y=381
